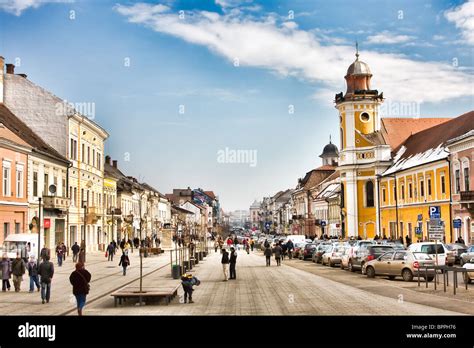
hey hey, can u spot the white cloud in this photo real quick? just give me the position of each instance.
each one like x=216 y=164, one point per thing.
x=16 y=7
x=388 y=38
x=290 y=51
x=231 y=3
x=463 y=17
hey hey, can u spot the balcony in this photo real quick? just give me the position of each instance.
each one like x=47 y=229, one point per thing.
x=467 y=196
x=53 y=202
x=114 y=211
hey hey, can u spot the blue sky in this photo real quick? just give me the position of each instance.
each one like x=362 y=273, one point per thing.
x=289 y=53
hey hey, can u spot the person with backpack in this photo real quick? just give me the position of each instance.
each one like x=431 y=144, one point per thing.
x=232 y=262
x=124 y=262
x=188 y=281
x=46 y=272
x=225 y=262
x=80 y=279
x=32 y=267
x=268 y=254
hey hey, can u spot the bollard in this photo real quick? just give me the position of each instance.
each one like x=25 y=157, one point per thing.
x=426 y=276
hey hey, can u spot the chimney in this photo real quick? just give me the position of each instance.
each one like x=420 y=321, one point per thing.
x=114 y=163
x=2 y=66
x=10 y=68
x=108 y=160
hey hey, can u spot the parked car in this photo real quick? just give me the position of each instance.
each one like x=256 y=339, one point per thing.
x=400 y=263
x=457 y=249
x=469 y=276
x=467 y=255
x=308 y=251
x=346 y=255
x=367 y=253
x=333 y=255
x=298 y=250
x=319 y=251
x=440 y=252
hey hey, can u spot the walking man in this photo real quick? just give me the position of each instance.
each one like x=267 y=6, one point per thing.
x=33 y=273
x=80 y=279
x=6 y=267
x=225 y=262
x=268 y=254
x=59 y=254
x=277 y=251
x=18 y=269
x=233 y=261
x=75 y=251
x=110 y=252
x=46 y=272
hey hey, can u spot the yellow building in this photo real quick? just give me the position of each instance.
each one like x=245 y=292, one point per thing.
x=378 y=154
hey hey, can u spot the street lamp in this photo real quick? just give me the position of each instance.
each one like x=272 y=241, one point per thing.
x=84 y=236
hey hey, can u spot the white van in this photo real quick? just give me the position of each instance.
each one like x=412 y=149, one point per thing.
x=296 y=238
x=18 y=243
x=430 y=248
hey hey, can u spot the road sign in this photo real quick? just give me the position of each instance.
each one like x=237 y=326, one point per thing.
x=436 y=229
x=436 y=236
x=435 y=212
x=457 y=223
x=418 y=231
x=323 y=223
x=267 y=225
x=420 y=217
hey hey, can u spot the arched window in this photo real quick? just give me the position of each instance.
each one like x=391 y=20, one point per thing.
x=369 y=194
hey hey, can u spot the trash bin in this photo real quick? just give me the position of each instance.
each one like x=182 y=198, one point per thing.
x=187 y=265
x=175 y=271
x=200 y=255
x=196 y=259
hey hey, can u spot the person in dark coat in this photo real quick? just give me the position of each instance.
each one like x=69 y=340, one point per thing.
x=6 y=267
x=18 y=269
x=32 y=267
x=268 y=254
x=277 y=251
x=75 y=251
x=124 y=262
x=46 y=272
x=110 y=252
x=408 y=240
x=188 y=281
x=45 y=253
x=59 y=254
x=232 y=261
x=225 y=263
x=80 y=279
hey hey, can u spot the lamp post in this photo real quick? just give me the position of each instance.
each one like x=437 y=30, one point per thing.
x=39 y=229
x=84 y=205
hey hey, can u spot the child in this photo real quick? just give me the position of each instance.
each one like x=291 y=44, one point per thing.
x=188 y=281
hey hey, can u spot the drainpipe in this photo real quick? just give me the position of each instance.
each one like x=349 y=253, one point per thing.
x=450 y=201
x=68 y=195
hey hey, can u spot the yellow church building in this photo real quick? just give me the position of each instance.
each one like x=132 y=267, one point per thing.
x=393 y=170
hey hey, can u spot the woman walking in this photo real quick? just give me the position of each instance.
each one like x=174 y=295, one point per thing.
x=124 y=262
x=80 y=279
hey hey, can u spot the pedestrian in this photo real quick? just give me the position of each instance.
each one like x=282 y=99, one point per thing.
x=64 y=251
x=266 y=244
x=18 y=269
x=32 y=267
x=59 y=254
x=232 y=262
x=408 y=240
x=277 y=251
x=122 y=244
x=124 y=262
x=460 y=240
x=188 y=281
x=6 y=267
x=252 y=243
x=45 y=252
x=46 y=272
x=75 y=251
x=110 y=252
x=216 y=245
x=268 y=254
x=82 y=256
x=225 y=262
x=80 y=281
x=290 y=247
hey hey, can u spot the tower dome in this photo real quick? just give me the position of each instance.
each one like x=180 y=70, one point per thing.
x=330 y=154
x=358 y=76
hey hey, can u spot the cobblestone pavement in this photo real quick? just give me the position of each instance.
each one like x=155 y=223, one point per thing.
x=261 y=290
x=106 y=277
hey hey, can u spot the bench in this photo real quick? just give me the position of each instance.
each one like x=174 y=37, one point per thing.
x=167 y=292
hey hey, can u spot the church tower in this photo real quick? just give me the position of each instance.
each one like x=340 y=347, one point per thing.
x=362 y=155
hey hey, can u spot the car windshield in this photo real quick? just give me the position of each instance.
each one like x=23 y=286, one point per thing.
x=421 y=256
x=381 y=249
x=430 y=249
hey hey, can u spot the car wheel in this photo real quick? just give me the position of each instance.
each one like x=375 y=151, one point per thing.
x=350 y=267
x=370 y=271
x=391 y=277
x=407 y=275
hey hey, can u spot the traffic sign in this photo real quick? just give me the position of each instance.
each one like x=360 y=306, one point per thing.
x=420 y=217
x=457 y=223
x=418 y=231
x=436 y=236
x=435 y=212
x=323 y=223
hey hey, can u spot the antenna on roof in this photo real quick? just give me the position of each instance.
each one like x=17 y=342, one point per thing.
x=357 y=50
x=330 y=139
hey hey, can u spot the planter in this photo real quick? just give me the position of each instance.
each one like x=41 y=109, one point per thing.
x=176 y=271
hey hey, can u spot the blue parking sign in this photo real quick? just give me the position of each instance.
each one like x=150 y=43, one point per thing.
x=435 y=212
x=457 y=223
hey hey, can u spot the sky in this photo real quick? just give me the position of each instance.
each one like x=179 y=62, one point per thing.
x=237 y=96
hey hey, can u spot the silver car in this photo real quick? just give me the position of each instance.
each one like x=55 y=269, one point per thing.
x=333 y=255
